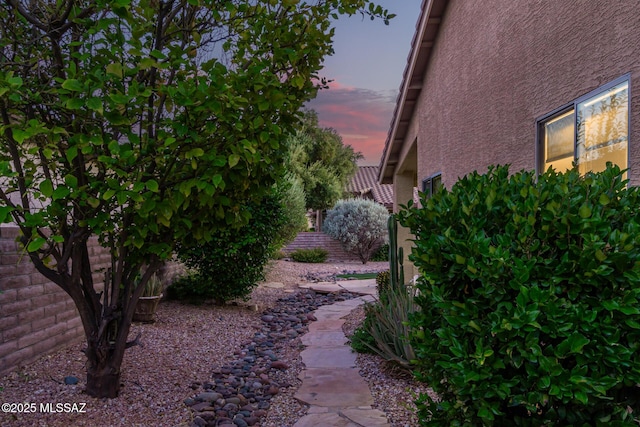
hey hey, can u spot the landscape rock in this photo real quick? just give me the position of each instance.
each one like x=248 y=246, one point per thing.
x=238 y=394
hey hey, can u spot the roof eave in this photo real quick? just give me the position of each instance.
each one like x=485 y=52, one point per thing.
x=411 y=86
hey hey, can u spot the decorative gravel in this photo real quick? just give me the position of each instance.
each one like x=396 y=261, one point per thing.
x=393 y=389
x=194 y=350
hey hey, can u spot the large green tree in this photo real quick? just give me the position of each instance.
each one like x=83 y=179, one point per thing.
x=322 y=162
x=146 y=123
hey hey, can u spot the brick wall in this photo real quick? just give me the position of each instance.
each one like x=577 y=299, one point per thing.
x=37 y=316
x=310 y=240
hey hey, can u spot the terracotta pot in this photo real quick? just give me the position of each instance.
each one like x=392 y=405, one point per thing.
x=146 y=309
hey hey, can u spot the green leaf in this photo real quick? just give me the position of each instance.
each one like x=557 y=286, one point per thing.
x=475 y=326
x=108 y=194
x=578 y=341
x=604 y=200
x=46 y=187
x=5 y=214
x=95 y=104
x=74 y=103
x=152 y=186
x=196 y=152
x=60 y=192
x=146 y=63
x=71 y=181
x=585 y=211
x=72 y=153
x=36 y=244
x=233 y=160
x=115 y=68
x=19 y=135
x=73 y=85
x=119 y=98
x=581 y=396
x=15 y=81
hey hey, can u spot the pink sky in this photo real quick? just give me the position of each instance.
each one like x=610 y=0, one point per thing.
x=366 y=70
x=361 y=117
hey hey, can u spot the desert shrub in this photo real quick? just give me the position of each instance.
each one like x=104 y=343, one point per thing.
x=530 y=298
x=385 y=330
x=359 y=225
x=190 y=288
x=231 y=264
x=381 y=254
x=314 y=255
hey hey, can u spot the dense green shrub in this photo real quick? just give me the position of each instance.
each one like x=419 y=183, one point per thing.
x=381 y=254
x=315 y=255
x=295 y=212
x=190 y=288
x=232 y=263
x=359 y=225
x=529 y=291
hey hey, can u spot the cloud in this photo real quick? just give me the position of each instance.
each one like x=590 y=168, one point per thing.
x=361 y=116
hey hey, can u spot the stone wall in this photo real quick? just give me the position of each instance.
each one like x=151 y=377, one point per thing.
x=37 y=316
x=311 y=240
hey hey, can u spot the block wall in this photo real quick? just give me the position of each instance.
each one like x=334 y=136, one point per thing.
x=37 y=316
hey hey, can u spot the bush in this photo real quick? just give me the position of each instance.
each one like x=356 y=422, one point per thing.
x=381 y=254
x=294 y=210
x=359 y=225
x=362 y=341
x=530 y=296
x=190 y=288
x=385 y=329
x=315 y=255
x=231 y=264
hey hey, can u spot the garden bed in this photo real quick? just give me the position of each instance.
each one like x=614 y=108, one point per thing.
x=184 y=346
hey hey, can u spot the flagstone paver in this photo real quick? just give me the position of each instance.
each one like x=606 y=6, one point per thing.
x=338 y=396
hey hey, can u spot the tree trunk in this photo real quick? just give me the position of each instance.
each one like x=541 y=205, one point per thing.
x=318 y=220
x=103 y=382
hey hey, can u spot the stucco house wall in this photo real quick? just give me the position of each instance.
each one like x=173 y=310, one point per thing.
x=481 y=73
x=498 y=65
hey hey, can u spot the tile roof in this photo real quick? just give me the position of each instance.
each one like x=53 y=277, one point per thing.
x=365 y=182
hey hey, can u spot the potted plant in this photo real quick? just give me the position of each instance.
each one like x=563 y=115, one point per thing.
x=148 y=303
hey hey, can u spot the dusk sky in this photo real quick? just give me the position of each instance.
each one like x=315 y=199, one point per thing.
x=366 y=70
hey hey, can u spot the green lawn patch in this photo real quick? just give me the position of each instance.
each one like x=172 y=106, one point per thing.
x=357 y=276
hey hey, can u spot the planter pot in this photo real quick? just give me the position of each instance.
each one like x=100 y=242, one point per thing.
x=146 y=309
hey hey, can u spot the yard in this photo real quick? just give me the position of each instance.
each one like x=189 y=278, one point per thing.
x=181 y=351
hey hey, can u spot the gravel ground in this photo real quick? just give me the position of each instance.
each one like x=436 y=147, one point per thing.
x=184 y=346
x=393 y=389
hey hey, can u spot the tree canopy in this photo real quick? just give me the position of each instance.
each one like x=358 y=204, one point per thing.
x=322 y=162
x=145 y=122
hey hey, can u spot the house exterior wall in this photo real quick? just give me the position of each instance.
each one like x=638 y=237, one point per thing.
x=498 y=65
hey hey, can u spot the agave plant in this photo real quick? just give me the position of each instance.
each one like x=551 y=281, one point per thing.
x=389 y=325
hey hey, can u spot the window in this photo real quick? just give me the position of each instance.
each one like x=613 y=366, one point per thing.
x=592 y=130
x=431 y=185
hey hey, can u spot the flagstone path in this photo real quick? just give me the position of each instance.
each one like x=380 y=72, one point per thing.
x=338 y=396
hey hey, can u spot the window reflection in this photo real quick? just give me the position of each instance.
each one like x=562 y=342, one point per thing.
x=602 y=129
x=558 y=142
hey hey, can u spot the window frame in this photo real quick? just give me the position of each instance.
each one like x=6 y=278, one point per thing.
x=427 y=184
x=573 y=106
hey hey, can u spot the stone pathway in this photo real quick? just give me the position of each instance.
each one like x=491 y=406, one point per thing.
x=338 y=396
